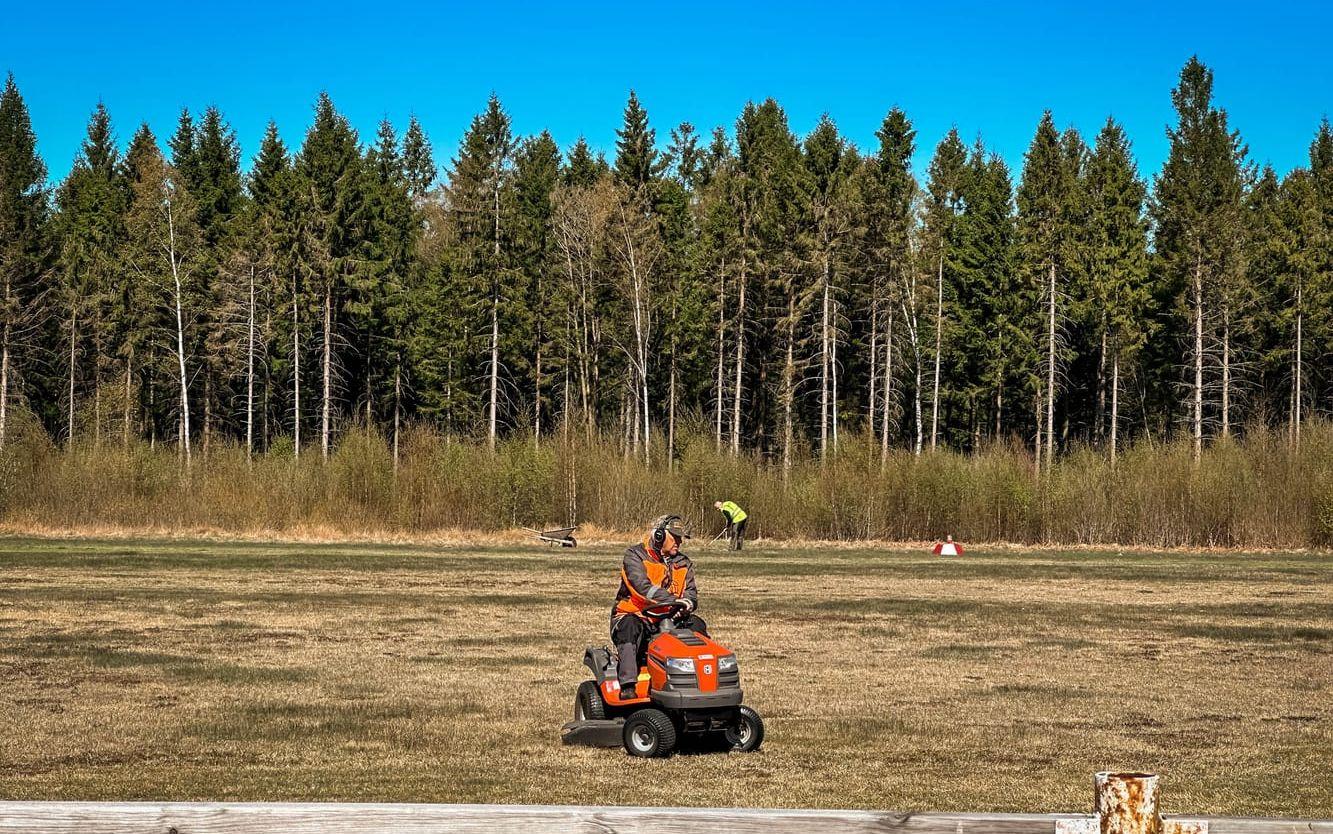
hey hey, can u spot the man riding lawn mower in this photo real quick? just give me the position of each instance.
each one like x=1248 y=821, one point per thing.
x=691 y=684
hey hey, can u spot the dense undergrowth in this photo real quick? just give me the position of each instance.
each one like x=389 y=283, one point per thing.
x=1257 y=491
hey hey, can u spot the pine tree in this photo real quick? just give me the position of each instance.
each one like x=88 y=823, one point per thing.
x=23 y=246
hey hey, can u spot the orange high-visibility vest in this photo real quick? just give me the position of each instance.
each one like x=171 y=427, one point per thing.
x=657 y=572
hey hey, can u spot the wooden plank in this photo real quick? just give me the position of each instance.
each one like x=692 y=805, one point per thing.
x=362 y=818
x=356 y=818
x=1262 y=825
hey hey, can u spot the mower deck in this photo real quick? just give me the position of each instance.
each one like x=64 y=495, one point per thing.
x=606 y=732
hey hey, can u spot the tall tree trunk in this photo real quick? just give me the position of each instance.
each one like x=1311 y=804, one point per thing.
x=833 y=373
x=1099 y=430
x=1226 y=369
x=296 y=371
x=265 y=406
x=740 y=365
x=671 y=395
x=1197 y=416
x=888 y=392
x=788 y=389
x=1297 y=373
x=4 y=385
x=97 y=378
x=1115 y=403
x=1037 y=444
x=397 y=409
x=208 y=411
x=824 y=372
x=180 y=340
x=720 y=393
x=537 y=392
x=913 y=326
x=873 y=382
x=493 y=406
x=129 y=387
x=1050 y=374
x=4 y=363
x=73 y=330
x=327 y=404
x=250 y=375
x=939 y=325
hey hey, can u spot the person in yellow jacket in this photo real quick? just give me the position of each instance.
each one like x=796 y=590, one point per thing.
x=656 y=580
x=736 y=519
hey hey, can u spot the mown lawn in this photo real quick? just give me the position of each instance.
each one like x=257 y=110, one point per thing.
x=999 y=681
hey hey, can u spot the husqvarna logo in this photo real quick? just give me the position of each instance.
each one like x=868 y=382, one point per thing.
x=708 y=668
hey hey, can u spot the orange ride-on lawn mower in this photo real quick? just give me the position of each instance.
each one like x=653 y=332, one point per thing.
x=689 y=690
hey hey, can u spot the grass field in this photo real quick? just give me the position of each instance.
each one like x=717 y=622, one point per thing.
x=888 y=680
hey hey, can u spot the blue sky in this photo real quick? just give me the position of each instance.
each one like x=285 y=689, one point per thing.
x=988 y=68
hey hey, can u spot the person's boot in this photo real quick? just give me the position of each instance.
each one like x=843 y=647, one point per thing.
x=629 y=690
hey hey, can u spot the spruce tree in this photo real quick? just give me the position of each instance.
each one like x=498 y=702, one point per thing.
x=418 y=160
x=890 y=191
x=947 y=177
x=536 y=174
x=90 y=230
x=331 y=205
x=481 y=209
x=23 y=245
x=638 y=164
x=829 y=164
x=1046 y=232
x=582 y=168
x=992 y=311
x=1196 y=215
x=1117 y=236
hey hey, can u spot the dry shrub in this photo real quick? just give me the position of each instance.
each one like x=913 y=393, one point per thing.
x=1254 y=491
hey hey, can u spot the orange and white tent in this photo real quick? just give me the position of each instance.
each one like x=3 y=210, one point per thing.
x=948 y=547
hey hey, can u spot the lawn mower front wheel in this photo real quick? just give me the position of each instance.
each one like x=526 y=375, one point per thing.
x=649 y=733
x=747 y=733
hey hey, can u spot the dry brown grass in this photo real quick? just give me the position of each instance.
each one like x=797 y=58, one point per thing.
x=999 y=682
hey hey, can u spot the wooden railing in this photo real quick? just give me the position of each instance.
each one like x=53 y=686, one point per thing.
x=1124 y=804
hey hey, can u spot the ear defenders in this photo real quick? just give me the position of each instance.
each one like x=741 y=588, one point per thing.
x=657 y=538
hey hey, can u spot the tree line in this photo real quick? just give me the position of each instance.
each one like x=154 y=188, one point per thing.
x=771 y=291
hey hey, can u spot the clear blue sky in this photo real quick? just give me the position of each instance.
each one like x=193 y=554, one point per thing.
x=989 y=68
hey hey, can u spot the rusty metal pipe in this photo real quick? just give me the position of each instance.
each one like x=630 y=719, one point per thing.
x=1127 y=803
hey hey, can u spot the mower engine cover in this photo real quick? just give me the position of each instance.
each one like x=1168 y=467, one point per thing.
x=689 y=671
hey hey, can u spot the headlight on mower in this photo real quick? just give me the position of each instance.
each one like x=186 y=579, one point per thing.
x=726 y=663
x=680 y=664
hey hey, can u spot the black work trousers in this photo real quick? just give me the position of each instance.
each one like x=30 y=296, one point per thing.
x=738 y=534
x=630 y=635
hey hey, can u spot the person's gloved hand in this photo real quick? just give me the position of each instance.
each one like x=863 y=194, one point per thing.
x=686 y=604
